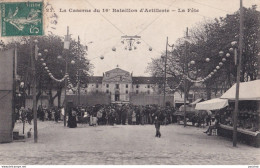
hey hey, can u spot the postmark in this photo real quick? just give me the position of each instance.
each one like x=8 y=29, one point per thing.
x=22 y=19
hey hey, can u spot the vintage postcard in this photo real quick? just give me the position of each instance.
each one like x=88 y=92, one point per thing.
x=129 y=82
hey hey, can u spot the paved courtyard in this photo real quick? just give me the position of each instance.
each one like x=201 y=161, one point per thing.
x=125 y=145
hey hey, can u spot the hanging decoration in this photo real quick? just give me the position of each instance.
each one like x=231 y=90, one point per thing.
x=130 y=42
x=50 y=74
x=220 y=64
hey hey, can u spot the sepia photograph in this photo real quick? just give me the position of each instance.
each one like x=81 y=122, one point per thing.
x=129 y=82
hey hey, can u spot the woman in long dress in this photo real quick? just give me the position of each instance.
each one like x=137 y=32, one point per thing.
x=72 y=121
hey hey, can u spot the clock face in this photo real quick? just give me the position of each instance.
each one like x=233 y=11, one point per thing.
x=107 y=74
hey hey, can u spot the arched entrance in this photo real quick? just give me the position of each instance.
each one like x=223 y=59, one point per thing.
x=117 y=95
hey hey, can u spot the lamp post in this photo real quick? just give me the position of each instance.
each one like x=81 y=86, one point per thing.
x=238 y=65
x=165 y=68
x=185 y=67
x=33 y=59
x=66 y=48
x=65 y=85
x=237 y=93
x=237 y=61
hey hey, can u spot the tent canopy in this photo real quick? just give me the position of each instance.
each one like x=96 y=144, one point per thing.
x=197 y=101
x=213 y=104
x=247 y=91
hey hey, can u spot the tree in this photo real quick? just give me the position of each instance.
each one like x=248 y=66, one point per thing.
x=204 y=43
x=50 y=48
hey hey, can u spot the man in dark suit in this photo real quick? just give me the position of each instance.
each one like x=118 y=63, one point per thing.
x=159 y=117
x=157 y=124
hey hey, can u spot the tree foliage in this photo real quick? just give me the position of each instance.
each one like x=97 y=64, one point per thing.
x=55 y=57
x=205 y=41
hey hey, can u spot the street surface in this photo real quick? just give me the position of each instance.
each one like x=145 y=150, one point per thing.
x=125 y=145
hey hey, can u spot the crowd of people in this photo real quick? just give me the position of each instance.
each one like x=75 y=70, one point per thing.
x=111 y=114
x=43 y=113
x=100 y=114
x=123 y=114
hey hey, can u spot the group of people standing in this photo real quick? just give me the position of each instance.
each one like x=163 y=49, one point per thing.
x=100 y=114
x=51 y=114
x=24 y=115
x=123 y=114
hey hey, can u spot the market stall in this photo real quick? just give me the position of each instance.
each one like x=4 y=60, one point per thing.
x=248 y=113
x=213 y=104
x=193 y=116
x=247 y=91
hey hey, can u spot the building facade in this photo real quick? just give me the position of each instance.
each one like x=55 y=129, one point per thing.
x=120 y=84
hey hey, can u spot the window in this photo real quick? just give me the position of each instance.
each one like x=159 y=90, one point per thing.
x=148 y=86
x=96 y=91
x=126 y=86
x=160 y=85
x=107 y=91
x=137 y=86
x=148 y=91
x=107 y=85
x=137 y=91
x=96 y=85
x=117 y=86
x=126 y=91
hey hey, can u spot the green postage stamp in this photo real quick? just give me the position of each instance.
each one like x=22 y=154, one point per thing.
x=22 y=19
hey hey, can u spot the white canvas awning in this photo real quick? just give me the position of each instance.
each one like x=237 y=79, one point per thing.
x=213 y=104
x=247 y=91
x=197 y=101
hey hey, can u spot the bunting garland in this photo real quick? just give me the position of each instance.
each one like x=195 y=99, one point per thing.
x=50 y=74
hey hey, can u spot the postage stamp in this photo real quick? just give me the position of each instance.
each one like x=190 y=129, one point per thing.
x=22 y=19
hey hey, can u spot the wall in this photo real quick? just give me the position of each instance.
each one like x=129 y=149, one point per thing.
x=144 y=99
x=92 y=99
x=6 y=95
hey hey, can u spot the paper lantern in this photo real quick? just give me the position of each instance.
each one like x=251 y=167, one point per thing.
x=227 y=55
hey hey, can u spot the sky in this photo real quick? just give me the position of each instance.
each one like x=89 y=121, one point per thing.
x=102 y=31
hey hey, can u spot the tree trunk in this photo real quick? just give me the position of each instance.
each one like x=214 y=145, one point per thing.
x=38 y=96
x=52 y=98
x=59 y=96
x=208 y=91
